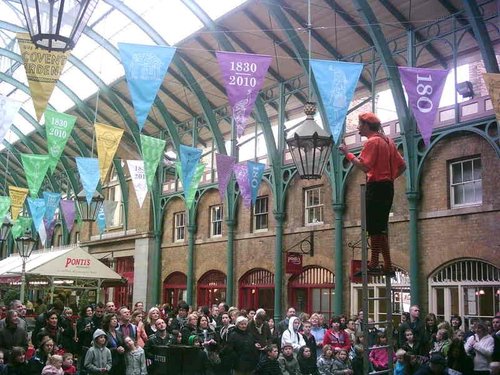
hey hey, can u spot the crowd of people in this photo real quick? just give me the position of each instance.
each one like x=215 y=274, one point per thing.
x=223 y=340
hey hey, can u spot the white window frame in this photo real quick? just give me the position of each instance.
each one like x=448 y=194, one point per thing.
x=115 y=194
x=475 y=183
x=216 y=216
x=179 y=226
x=313 y=210
x=259 y=213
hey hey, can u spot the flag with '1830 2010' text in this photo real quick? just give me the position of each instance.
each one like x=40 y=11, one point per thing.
x=424 y=88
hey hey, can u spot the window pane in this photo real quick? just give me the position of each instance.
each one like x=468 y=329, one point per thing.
x=316 y=299
x=456 y=171
x=458 y=194
x=467 y=170
x=477 y=169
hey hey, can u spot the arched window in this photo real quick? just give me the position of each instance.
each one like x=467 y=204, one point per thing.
x=467 y=287
x=211 y=288
x=174 y=288
x=312 y=290
x=256 y=290
x=376 y=288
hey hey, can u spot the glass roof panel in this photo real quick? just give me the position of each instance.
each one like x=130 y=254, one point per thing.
x=216 y=9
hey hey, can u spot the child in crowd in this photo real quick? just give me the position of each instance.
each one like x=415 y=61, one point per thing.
x=410 y=346
x=309 y=339
x=68 y=367
x=341 y=364
x=135 y=358
x=98 y=358
x=442 y=342
x=307 y=361
x=379 y=355
x=400 y=367
x=268 y=365
x=17 y=364
x=357 y=359
x=325 y=362
x=287 y=360
x=54 y=366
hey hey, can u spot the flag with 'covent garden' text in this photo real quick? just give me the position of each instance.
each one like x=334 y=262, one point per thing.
x=17 y=197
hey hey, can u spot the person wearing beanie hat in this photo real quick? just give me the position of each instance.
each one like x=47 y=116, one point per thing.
x=241 y=348
x=382 y=163
x=259 y=329
x=98 y=358
x=287 y=360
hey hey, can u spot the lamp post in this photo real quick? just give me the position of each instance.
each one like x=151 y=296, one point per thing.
x=4 y=231
x=25 y=244
x=90 y=211
x=310 y=146
x=56 y=25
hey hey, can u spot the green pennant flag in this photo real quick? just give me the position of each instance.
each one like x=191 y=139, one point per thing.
x=58 y=127
x=198 y=173
x=152 y=152
x=21 y=225
x=4 y=208
x=35 y=167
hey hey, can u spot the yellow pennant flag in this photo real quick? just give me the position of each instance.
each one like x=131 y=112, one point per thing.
x=43 y=69
x=492 y=81
x=107 y=140
x=17 y=197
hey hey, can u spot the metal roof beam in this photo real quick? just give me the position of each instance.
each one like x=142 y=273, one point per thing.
x=338 y=9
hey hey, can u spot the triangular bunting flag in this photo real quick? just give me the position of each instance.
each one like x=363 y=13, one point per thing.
x=88 y=168
x=101 y=220
x=4 y=208
x=255 y=173
x=145 y=69
x=51 y=204
x=136 y=170
x=8 y=110
x=21 y=225
x=336 y=83
x=68 y=210
x=43 y=69
x=37 y=209
x=107 y=140
x=35 y=167
x=58 y=127
x=241 y=174
x=17 y=197
x=424 y=88
x=243 y=75
x=225 y=165
x=190 y=157
x=492 y=81
x=152 y=151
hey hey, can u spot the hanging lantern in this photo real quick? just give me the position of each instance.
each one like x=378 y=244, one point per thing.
x=310 y=146
x=56 y=25
x=89 y=212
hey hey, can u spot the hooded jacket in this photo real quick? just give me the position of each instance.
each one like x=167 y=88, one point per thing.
x=98 y=358
x=291 y=336
x=136 y=362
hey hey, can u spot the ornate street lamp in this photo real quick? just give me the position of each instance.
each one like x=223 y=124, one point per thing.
x=310 y=145
x=89 y=212
x=4 y=231
x=25 y=245
x=56 y=25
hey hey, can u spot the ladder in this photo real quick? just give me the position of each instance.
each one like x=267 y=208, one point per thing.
x=367 y=368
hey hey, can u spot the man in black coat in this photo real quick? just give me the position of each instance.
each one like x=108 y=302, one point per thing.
x=415 y=324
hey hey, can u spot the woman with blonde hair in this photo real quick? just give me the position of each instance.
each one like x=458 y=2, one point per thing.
x=153 y=316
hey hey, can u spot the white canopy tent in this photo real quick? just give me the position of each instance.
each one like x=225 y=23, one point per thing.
x=69 y=263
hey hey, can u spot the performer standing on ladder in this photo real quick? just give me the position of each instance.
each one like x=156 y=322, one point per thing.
x=382 y=163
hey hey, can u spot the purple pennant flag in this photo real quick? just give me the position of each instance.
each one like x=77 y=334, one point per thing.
x=424 y=88
x=69 y=212
x=225 y=165
x=241 y=173
x=49 y=228
x=243 y=75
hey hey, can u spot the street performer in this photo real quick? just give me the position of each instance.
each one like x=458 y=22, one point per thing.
x=382 y=163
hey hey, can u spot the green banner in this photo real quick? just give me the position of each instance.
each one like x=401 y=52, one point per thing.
x=4 y=208
x=35 y=167
x=198 y=173
x=152 y=152
x=58 y=127
x=21 y=225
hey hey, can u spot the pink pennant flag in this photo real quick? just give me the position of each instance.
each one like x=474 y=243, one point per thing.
x=424 y=88
x=225 y=165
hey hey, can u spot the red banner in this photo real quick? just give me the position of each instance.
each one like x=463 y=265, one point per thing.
x=293 y=263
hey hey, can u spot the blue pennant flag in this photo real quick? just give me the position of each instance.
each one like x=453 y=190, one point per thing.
x=255 y=173
x=88 y=168
x=190 y=157
x=37 y=209
x=336 y=83
x=51 y=204
x=145 y=69
x=101 y=220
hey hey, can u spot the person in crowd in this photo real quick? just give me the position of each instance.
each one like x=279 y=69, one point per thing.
x=480 y=346
x=415 y=324
x=114 y=342
x=287 y=360
x=351 y=330
x=110 y=308
x=307 y=361
x=402 y=364
x=53 y=366
x=139 y=306
x=226 y=327
x=68 y=364
x=68 y=334
x=205 y=311
x=341 y=363
x=283 y=325
x=98 y=359
x=12 y=335
x=17 y=306
x=382 y=163
x=325 y=361
x=309 y=338
x=136 y=320
x=268 y=364
x=189 y=329
x=181 y=317
x=495 y=323
x=98 y=315
x=124 y=324
x=160 y=338
x=373 y=333
x=318 y=331
x=456 y=322
x=337 y=338
x=153 y=316
x=447 y=327
x=234 y=313
x=214 y=311
x=86 y=325
x=274 y=332
x=17 y=365
x=242 y=348
x=292 y=335
x=379 y=354
x=260 y=330
x=458 y=360
x=442 y=343
x=135 y=358
x=357 y=359
x=430 y=330
x=51 y=328
x=459 y=334
x=359 y=321
x=435 y=366
x=42 y=354
x=222 y=308
x=410 y=346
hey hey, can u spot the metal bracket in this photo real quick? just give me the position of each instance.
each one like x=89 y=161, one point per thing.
x=306 y=245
